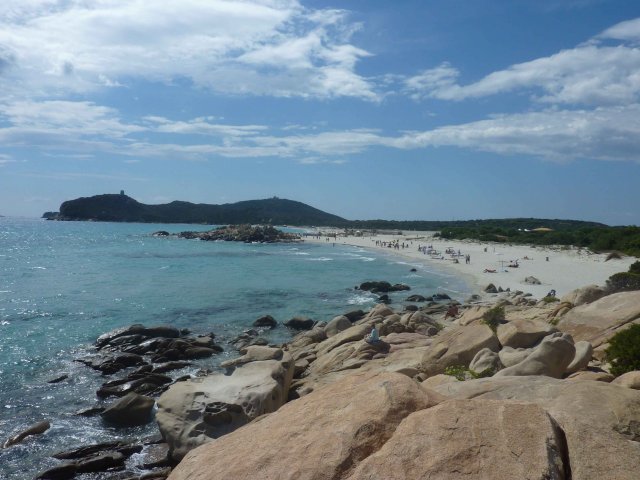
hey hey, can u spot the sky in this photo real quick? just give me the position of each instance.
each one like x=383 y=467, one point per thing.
x=411 y=109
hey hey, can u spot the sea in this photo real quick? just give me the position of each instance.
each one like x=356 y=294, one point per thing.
x=62 y=284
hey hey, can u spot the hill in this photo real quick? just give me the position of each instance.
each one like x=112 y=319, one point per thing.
x=121 y=208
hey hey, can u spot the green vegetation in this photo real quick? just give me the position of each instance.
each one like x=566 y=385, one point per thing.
x=625 y=281
x=493 y=317
x=624 y=351
x=463 y=373
x=595 y=237
x=550 y=299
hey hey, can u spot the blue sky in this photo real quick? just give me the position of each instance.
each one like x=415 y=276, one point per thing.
x=430 y=109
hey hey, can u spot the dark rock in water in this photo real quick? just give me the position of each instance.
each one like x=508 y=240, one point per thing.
x=384 y=299
x=491 y=288
x=90 y=412
x=59 y=472
x=138 y=329
x=155 y=456
x=413 y=270
x=299 y=323
x=266 y=321
x=144 y=384
x=160 y=233
x=129 y=411
x=58 y=379
x=411 y=308
x=243 y=233
x=168 y=366
x=440 y=296
x=109 y=365
x=416 y=298
x=383 y=287
x=354 y=315
x=35 y=429
x=198 y=352
x=125 y=448
x=101 y=462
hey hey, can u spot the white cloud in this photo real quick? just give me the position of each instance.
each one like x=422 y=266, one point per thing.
x=260 y=47
x=607 y=133
x=591 y=74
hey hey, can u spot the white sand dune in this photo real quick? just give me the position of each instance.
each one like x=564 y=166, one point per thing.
x=565 y=269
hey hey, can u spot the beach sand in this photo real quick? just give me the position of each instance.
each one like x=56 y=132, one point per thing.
x=564 y=271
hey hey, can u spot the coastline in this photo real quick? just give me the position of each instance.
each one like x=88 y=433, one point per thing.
x=564 y=271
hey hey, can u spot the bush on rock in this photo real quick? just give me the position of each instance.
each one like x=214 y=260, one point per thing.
x=624 y=351
x=493 y=317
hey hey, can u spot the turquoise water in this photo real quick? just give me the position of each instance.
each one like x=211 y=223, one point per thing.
x=64 y=283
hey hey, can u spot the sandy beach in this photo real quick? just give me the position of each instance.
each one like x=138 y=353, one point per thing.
x=557 y=268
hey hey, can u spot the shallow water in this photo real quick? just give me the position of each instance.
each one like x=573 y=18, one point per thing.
x=64 y=283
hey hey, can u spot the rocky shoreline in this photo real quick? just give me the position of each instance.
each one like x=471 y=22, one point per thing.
x=237 y=233
x=469 y=394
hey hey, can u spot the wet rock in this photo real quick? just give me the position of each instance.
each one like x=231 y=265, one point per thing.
x=129 y=411
x=59 y=472
x=144 y=384
x=383 y=287
x=491 y=288
x=58 y=379
x=299 y=323
x=354 y=315
x=169 y=366
x=90 y=412
x=35 y=429
x=266 y=321
x=137 y=329
x=416 y=298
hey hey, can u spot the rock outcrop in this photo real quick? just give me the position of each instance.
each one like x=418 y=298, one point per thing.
x=323 y=435
x=195 y=411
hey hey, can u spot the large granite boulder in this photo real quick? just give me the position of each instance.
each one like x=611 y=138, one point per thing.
x=512 y=356
x=299 y=323
x=320 y=436
x=470 y=439
x=583 y=295
x=35 y=429
x=550 y=358
x=523 y=333
x=584 y=352
x=194 y=412
x=486 y=360
x=457 y=346
x=336 y=325
x=629 y=380
x=129 y=411
x=600 y=421
x=598 y=321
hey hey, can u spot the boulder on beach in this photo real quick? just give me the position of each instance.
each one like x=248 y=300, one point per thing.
x=599 y=420
x=321 y=435
x=195 y=411
x=551 y=358
x=532 y=281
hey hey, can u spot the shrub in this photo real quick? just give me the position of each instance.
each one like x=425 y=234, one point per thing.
x=463 y=373
x=635 y=267
x=493 y=317
x=550 y=299
x=623 y=352
x=623 y=282
x=458 y=371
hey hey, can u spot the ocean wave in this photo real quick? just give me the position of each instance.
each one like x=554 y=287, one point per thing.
x=359 y=299
x=319 y=259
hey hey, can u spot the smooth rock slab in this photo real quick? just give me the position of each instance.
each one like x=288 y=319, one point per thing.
x=196 y=411
x=470 y=439
x=320 y=436
x=550 y=358
x=523 y=333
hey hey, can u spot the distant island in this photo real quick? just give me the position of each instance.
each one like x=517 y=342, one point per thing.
x=279 y=211
x=122 y=208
